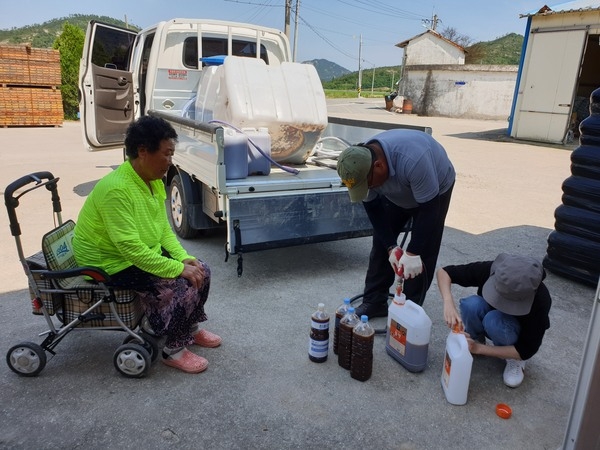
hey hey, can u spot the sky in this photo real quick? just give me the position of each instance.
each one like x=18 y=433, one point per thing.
x=336 y=30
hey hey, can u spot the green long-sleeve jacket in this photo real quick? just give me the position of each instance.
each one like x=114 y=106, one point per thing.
x=123 y=223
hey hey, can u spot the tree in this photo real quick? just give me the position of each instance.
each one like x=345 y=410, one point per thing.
x=452 y=35
x=70 y=46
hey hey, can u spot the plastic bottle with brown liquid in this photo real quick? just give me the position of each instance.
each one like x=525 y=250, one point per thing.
x=339 y=313
x=347 y=324
x=318 y=342
x=363 y=336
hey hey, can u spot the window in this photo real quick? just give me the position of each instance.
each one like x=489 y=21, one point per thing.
x=218 y=46
x=112 y=48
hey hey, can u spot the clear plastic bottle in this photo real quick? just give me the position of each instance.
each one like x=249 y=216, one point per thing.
x=347 y=325
x=361 y=362
x=339 y=313
x=318 y=342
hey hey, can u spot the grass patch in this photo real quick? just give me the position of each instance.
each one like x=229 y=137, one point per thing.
x=351 y=93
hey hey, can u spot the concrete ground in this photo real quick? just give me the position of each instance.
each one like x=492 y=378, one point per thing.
x=260 y=390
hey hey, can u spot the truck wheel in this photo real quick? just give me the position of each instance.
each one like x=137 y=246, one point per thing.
x=178 y=206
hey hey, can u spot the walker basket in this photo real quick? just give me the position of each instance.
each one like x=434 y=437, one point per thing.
x=80 y=294
x=50 y=299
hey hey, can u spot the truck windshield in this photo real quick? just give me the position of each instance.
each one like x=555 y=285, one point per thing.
x=216 y=46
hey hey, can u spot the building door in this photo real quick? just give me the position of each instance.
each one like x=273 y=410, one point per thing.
x=547 y=89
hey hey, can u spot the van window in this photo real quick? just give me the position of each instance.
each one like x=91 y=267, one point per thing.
x=112 y=48
x=217 y=46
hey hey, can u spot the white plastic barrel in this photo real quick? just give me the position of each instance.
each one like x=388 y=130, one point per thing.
x=288 y=99
x=456 y=372
x=408 y=334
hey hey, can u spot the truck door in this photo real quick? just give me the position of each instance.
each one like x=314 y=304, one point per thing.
x=106 y=100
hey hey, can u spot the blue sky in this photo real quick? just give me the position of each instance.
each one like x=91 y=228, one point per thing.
x=327 y=29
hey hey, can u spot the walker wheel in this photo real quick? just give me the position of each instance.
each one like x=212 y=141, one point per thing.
x=132 y=360
x=150 y=344
x=26 y=359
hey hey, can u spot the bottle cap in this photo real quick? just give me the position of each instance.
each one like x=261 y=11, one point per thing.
x=458 y=328
x=351 y=310
x=321 y=306
x=364 y=318
x=400 y=299
x=503 y=411
x=347 y=301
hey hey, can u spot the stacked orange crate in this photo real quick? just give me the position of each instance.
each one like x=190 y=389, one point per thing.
x=29 y=87
x=15 y=106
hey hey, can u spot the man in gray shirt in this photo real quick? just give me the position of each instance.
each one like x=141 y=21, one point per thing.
x=400 y=175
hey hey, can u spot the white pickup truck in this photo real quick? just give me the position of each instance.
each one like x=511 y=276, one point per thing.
x=159 y=71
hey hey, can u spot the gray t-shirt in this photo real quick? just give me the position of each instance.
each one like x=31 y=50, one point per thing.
x=419 y=168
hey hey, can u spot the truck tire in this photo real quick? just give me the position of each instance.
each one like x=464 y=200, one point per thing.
x=178 y=209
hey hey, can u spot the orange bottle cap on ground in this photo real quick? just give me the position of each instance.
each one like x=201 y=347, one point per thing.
x=503 y=410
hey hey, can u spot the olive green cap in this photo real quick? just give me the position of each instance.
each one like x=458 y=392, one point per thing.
x=353 y=167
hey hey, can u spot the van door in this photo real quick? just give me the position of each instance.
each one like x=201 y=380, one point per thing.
x=106 y=90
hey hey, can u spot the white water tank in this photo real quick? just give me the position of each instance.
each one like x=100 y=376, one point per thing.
x=287 y=99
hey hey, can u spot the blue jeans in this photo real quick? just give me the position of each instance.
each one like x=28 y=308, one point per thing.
x=482 y=320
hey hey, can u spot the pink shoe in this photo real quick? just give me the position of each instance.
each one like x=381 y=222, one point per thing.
x=188 y=362
x=205 y=338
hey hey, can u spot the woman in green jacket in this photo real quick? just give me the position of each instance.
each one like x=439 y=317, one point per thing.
x=123 y=228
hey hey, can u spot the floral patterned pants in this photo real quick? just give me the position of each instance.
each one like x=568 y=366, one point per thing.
x=172 y=305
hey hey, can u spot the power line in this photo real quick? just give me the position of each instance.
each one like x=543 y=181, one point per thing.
x=254 y=3
x=327 y=41
x=261 y=11
x=387 y=10
x=381 y=8
x=356 y=22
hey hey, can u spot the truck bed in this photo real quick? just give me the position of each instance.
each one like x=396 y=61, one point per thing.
x=197 y=152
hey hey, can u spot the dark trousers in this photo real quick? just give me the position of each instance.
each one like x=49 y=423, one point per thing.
x=380 y=275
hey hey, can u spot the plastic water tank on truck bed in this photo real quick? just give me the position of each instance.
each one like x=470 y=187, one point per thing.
x=288 y=99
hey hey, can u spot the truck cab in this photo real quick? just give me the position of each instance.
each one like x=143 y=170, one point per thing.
x=123 y=73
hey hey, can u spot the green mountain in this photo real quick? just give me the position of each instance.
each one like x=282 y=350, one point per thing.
x=327 y=70
x=42 y=35
x=505 y=50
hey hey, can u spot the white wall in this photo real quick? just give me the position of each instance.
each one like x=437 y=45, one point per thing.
x=430 y=49
x=461 y=91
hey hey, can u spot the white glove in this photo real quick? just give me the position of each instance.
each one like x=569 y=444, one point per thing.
x=412 y=265
x=394 y=260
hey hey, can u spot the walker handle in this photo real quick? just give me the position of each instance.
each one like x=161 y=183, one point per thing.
x=12 y=202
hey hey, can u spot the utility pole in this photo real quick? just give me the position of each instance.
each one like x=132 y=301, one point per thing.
x=296 y=31
x=373 y=80
x=434 y=21
x=359 y=69
x=288 y=9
